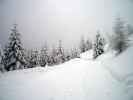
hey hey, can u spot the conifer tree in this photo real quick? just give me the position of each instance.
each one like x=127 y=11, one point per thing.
x=53 y=56
x=119 y=40
x=82 y=45
x=98 y=47
x=44 y=57
x=75 y=53
x=60 y=53
x=14 y=52
x=88 y=44
x=34 y=58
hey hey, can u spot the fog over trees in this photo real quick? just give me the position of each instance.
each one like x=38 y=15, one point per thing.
x=14 y=56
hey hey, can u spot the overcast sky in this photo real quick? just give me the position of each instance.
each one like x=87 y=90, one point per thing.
x=67 y=20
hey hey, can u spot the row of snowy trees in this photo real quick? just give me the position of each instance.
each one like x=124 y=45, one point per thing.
x=14 y=56
x=50 y=57
x=85 y=45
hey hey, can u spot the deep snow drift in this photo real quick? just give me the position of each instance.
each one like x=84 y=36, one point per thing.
x=106 y=78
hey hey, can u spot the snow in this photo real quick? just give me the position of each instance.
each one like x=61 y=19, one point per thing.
x=123 y=62
x=107 y=78
x=88 y=55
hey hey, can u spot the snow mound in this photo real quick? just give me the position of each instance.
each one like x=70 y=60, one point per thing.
x=122 y=63
x=88 y=55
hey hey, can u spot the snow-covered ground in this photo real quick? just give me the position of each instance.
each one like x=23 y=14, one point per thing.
x=106 y=78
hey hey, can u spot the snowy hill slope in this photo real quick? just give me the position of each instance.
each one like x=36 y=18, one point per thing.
x=77 y=79
x=122 y=67
x=123 y=63
x=88 y=55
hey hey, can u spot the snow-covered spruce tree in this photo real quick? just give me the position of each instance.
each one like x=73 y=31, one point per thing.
x=119 y=40
x=75 y=53
x=60 y=53
x=57 y=55
x=88 y=44
x=14 y=52
x=82 y=45
x=44 y=57
x=67 y=56
x=26 y=56
x=29 y=58
x=33 y=59
x=52 y=57
x=98 y=46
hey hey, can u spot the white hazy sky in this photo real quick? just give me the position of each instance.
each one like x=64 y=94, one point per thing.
x=50 y=20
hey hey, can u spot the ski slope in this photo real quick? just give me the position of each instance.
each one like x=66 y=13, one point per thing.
x=78 y=79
